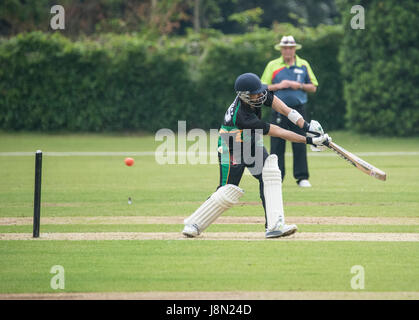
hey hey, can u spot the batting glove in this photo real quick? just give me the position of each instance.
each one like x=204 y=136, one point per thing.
x=322 y=140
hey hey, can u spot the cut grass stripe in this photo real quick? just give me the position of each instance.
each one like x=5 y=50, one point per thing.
x=189 y=265
x=217 y=236
x=217 y=295
x=222 y=220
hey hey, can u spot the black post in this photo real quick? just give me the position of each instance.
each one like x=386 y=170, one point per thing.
x=37 y=197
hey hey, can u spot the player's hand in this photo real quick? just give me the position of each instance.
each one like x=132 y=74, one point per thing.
x=319 y=141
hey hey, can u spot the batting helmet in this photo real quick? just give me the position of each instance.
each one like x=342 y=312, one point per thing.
x=247 y=84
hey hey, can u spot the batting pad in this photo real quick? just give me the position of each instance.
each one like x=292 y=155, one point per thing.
x=272 y=189
x=221 y=200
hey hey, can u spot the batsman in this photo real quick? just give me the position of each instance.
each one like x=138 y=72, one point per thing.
x=240 y=146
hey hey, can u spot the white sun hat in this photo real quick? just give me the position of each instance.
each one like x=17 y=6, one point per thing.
x=287 y=41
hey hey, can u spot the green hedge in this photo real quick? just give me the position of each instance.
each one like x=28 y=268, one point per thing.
x=380 y=65
x=49 y=83
x=126 y=82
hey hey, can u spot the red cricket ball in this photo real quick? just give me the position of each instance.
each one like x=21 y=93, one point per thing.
x=129 y=161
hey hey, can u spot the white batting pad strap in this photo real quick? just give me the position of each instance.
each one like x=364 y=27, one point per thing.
x=294 y=116
x=221 y=200
x=272 y=189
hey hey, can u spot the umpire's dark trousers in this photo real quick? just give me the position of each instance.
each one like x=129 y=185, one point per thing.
x=299 y=150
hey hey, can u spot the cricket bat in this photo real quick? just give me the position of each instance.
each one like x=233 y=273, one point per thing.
x=358 y=162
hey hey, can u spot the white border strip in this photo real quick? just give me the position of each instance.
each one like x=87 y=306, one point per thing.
x=153 y=153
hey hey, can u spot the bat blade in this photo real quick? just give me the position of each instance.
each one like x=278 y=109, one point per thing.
x=358 y=162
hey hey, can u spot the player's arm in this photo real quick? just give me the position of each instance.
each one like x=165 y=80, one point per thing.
x=251 y=121
x=279 y=106
x=275 y=131
x=296 y=118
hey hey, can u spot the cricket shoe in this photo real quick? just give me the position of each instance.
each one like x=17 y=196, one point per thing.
x=281 y=231
x=304 y=183
x=190 y=230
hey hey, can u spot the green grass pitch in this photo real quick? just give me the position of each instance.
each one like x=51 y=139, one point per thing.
x=99 y=186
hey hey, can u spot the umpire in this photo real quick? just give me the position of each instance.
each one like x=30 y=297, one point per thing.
x=290 y=77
